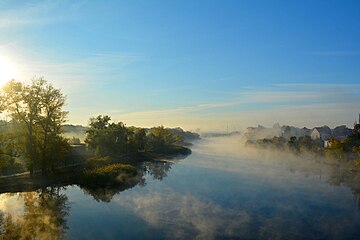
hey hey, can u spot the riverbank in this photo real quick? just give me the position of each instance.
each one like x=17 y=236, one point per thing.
x=75 y=173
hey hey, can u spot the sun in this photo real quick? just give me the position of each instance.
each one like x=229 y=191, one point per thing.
x=7 y=70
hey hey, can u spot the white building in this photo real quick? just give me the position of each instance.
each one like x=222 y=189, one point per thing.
x=322 y=133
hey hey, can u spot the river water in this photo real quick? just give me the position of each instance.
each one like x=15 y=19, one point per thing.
x=220 y=191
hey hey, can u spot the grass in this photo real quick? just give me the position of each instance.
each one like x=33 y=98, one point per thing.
x=108 y=175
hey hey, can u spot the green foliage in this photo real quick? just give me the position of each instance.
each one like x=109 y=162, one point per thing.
x=356 y=150
x=107 y=138
x=115 y=139
x=161 y=138
x=110 y=174
x=340 y=150
x=275 y=142
x=184 y=135
x=350 y=142
x=335 y=149
x=306 y=144
x=96 y=162
x=356 y=163
x=296 y=145
x=74 y=141
x=36 y=110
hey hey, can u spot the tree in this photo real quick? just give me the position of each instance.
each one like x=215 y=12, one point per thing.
x=50 y=118
x=75 y=141
x=107 y=138
x=336 y=149
x=140 y=138
x=37 y=110
x=161 y=138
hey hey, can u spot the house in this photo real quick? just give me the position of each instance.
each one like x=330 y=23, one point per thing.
x=322 y=133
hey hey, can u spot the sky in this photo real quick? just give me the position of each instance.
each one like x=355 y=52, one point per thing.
x=208 y=65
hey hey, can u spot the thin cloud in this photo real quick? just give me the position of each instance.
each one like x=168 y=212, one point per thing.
x=259 y=97
x=181 y=110
x=45 y=12
x=317 y=85
x=84 y=73
x=297 y=107
x=336 y=53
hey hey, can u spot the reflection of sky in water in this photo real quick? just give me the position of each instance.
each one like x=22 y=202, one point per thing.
x=221 y=191
x=12 y=204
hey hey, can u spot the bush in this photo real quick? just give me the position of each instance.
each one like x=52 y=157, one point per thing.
x=97 y=162
x=107 y=175
x=356 y=164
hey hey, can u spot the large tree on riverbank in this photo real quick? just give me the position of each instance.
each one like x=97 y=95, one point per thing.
x=37 y=109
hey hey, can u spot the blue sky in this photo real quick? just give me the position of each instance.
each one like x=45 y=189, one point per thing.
x=195 y=64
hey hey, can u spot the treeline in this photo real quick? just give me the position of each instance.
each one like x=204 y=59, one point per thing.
x=296 y=145
x=347 y=149
x=119 y=149
x=115 y=138
x=77 y=133
x=33 y=138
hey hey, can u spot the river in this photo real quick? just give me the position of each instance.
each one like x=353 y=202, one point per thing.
x=220 y=191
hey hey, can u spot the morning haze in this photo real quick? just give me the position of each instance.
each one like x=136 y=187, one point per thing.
x=179 y=119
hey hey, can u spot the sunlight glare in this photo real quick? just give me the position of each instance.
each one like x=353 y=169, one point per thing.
x=7 y=70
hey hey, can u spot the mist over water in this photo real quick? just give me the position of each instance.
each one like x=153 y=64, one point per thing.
x=221 y=191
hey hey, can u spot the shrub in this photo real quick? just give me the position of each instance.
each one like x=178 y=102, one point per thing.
x=356 y=164
x=107 y=175
x=97 y=162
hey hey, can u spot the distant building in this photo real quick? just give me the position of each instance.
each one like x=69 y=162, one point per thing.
x=327 y=144
x=322 y=133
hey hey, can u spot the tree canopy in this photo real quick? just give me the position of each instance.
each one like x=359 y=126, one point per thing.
x=115 y=138
x=36 y=109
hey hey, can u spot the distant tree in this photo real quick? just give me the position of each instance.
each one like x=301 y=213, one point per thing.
x=105 y=137
x=140 y=138
x=96 y=136
x=74 y=141
x=160 y=138
x=114 y=139
x=306 y=144
x=356 y=150
x=136 y=139
x=335 y=149
x=293 y=144
x=351 y=141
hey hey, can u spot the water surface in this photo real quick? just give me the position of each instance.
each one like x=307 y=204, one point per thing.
x=221 y=191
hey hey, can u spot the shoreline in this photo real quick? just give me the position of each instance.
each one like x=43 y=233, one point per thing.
x=74 y=174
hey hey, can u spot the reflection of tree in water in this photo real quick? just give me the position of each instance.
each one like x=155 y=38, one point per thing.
x=44 y=216
x=344 y=174
x=105 y=194
x=157 y=169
